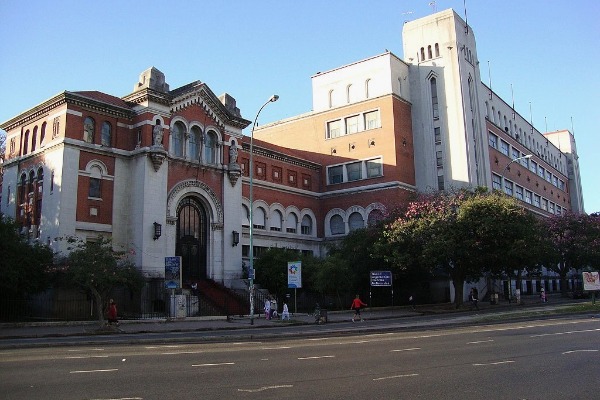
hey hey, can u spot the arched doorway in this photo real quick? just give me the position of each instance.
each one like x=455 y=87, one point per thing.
x=192 y=239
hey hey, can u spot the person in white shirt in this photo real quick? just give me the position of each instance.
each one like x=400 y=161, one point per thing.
x=285 y=314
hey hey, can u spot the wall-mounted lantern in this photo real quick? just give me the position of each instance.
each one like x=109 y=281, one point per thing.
x=157 y=230
x=235 y=238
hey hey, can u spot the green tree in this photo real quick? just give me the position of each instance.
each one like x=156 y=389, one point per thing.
x=575 y=243
x=97 y=268
x=23 y=267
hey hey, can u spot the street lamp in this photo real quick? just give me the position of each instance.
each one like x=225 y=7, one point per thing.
x=503 y=186
x=272 y=99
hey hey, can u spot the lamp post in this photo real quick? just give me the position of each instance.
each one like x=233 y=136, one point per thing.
x=503 y=179
x=272 y=99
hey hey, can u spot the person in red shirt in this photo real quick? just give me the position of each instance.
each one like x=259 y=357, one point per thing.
x=112 y=313
x=357 y=304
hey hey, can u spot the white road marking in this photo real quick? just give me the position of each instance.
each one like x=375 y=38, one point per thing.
x=566 y=333
x=481 y=341
x=494 y=363
x=79 y=357
x=411 y=349
x=578 y=351
x=94 y=370
x=123 y=398
x=261 y=389
x=276 y=348
x=173 y=353
x=212 y=365
x=163 y=347
x=395 y=377
x=77 y=350
x=314 y=357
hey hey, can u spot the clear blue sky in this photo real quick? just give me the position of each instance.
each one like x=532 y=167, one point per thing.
x=251 y=49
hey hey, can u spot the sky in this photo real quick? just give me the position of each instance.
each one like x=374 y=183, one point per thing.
x=545 y=49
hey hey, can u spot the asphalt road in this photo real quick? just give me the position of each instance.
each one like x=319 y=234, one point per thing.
x=543 y=359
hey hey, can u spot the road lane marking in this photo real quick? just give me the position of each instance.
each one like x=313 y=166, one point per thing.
x=213 y=365
x=78 y=350
x=81 y=357
x=261 y=389
x=566 y=333
x=163 y=347
x=314 y=357
x=395 y=377
x=174 y=353
x=579 y=351
x=494 y=363
x=481 y=341
x=123 y=398
x=94 y=370
x=411 y=349
x=276 y=348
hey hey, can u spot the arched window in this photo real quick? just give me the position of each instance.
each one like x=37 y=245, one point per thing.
x=291 y=223
x=258 y=218
x=276 y=221
x=422 y=53
x=434 y=98
x=374 y=217
x=177 y=139
x=31 y=182
x=88 y=130
x=429 y=55
x=95 y=189
x=336 y=224
x=306 y=226
x=43 y=134
x=106 y=138
x=210 y=148
x=355 y=221
x=34 y=139
x=23 y=192
x=245 y=216
x=194 y=144
x=26 y=142
x=437 y=50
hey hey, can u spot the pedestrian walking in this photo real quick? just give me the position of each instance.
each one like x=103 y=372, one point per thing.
x=112 y=313
x=543 y=295
x=412 y=302
x=357 y=304
x=474 y=297
x=268 y=308
x=285 y=314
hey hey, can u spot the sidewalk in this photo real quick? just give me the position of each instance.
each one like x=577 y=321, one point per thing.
x=86 y=328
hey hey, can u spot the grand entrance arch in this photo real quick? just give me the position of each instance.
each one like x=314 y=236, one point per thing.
x=192 y=238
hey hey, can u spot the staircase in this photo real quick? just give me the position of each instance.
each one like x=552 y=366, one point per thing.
x=226 y=301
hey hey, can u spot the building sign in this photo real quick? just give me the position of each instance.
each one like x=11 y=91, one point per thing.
x=173 y=272
x=294 y=269
x=381 y=278
x=591 y=281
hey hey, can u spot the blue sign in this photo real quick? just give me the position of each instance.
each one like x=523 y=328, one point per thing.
x=294 y=274
x=172 y=272
x=381 y=278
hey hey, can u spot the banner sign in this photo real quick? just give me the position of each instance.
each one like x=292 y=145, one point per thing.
x=294 y=269
x=591 y=281
x=381 y=278
x=173 y=272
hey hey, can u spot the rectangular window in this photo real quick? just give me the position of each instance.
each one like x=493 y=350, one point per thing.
x=496 y=182
x=354 y=171
x=351 y=124
x=561 y=185
x=551 y=208
x=525 y=162
x=519 y=192
x=533 y=167
x=335 y=174
x=548 y=176
x=94 y=190
x=508 y=187
x=372 y=120
x=536 y=200
x=558 y=210
x=438 y=159
x=440 y=182
x=554 y=180
x=541 y=171
x=504 y=147
x=515 y=153
x=333 y=129
x=493 y=140
x=374 y=168
x=544 y=204
x=528 y=195
x=438 y=135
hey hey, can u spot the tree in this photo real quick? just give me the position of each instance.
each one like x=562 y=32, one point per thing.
x=575 y=243
x=97 y=268
x=463 y=234
x=24 y=265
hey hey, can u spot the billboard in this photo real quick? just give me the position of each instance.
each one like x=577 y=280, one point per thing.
x=591 y=281
x=381 y=278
